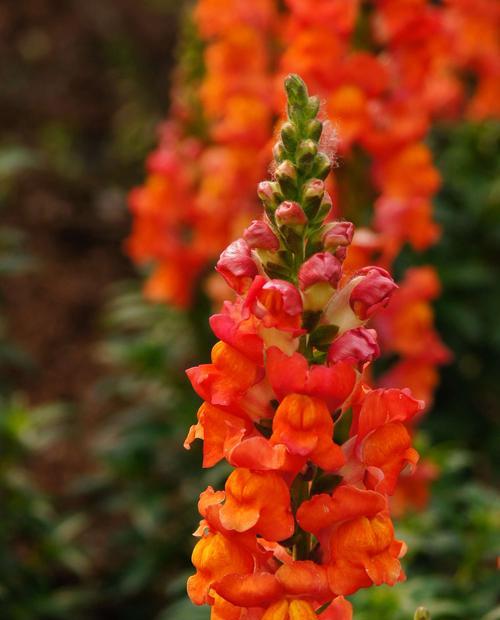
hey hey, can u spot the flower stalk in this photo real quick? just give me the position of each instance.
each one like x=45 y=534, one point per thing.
x=303 y=520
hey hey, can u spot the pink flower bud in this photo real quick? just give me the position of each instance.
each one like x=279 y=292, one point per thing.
x=312 y=196
x=339 y=233
x=321 y=267
x=290 y=213
x=286 y=170
x=314 y=187
x=269 y=192
x=356 y=346
x=259 y=235
x=372 y=293
x=236 y=265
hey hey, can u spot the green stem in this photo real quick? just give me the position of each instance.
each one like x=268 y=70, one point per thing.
x=302 y=543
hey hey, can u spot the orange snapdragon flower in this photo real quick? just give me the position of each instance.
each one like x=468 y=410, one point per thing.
x=247 y=504
x=220 y=431
x=233 y=382
x=364 y=552
x=357 y=538
x=214 y=556
x=331 y=384
x=409 y=173
x=407 y=329
x=304 y=425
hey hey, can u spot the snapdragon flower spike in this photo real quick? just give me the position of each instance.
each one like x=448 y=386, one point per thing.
x=303 y=519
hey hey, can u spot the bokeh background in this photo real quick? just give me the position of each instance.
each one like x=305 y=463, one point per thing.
x=97 y=496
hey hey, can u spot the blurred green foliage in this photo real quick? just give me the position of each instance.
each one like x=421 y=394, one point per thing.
x=41 y=564
x=145 y=490
x=468 y=261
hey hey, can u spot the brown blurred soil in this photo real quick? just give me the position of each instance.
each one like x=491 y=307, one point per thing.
x=83 y=85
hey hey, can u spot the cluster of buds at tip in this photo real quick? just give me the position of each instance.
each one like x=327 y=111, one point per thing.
x=304 y=517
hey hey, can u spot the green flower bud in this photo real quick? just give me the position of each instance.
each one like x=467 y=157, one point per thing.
x=321 y=166
x=324 y=208
x=422 y=614
x=289 y=137
x=312 y=196
x=314 y=129
x=279 y=152
x=286 y=175
x=270 y=194
x=296 y=90
x=298 y=99
x=306 y=153
x=312 y=107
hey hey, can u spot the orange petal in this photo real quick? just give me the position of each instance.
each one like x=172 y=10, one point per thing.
x=294 y=379
x=208 y=498
x=278 y=611
x=213 y=557
x=384 y=443
x=346 y=502
x=339 y=609
x=258 y=454
x=301 y=610
x=299 y=422
x=389 y=449
x=255 y=590
x=384 y=568
x=360 y=538
x=239 y=517
x=222 y=431
x=328 y=455
x=304 y=579
x=382 y=406
x=223 y=610
x=345 y=578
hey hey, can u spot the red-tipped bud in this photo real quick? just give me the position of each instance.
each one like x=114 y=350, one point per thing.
x=312 y=196
x=339 y=233
x=236 y=265
x=372 y=293
x=289 y=136
x=306 y=152
x=314 y=187
x=288 y=296
x=290 y=213
x=286 y=175
x=260 y=236
x=322 y=267
x=356 y=346
x=325 y=207
x=322 y=166
x=270 y=193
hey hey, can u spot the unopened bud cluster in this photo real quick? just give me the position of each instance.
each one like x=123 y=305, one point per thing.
x=295 y=240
